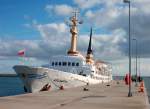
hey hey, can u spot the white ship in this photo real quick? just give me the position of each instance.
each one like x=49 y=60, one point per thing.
x=71 y=70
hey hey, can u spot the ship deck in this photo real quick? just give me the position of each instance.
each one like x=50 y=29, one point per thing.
x=99 y=96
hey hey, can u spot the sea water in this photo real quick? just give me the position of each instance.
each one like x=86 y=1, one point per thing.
x=10 y=86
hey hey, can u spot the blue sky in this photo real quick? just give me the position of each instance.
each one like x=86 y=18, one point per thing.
x=16 y=13
x=39 y=27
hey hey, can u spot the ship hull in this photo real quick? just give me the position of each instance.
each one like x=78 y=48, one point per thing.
x=37 y=79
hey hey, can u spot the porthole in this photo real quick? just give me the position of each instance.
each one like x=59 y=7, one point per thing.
x=64 y=63
x=56 y=63
x=77 y=64
x=52 y=63
x=73 y=64
x=69 y=63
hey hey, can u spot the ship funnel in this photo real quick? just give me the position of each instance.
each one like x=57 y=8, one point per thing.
x=89 y=57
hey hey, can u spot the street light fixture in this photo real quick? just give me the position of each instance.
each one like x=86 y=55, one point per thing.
x=126 y=1
x=129 y=93
x=136 y=80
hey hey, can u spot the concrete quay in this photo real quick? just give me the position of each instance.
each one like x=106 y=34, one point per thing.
x=98 y=96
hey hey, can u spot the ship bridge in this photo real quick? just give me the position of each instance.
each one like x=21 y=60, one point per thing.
x=71 y=64
x=67 y=61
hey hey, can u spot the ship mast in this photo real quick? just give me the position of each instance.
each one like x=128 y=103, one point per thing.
x=74 y=32
x=89 y=57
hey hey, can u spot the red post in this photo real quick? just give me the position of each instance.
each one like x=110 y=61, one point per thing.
x=127 y=79
x=61 y=87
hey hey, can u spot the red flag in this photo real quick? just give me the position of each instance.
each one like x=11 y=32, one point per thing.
x=21 y=52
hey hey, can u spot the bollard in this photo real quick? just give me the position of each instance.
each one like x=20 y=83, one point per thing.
x=85 y=89
x=46 y=87
x=61 y=87
x=141 y=88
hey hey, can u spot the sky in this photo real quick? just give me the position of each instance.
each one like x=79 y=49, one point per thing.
x=41 y=28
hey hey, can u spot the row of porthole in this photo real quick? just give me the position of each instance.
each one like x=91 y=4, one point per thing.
x=65 y=64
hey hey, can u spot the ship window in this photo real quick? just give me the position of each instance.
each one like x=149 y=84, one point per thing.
x=64 y=63
x=52 y=63
x=77 y=64
x=73 y=64
x=69 y=63
x=59 y=63
x=56 y=63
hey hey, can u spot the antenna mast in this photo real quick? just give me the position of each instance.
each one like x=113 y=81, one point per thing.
x=74 y=32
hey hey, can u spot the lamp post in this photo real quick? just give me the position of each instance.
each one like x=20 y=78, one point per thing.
x=139 y=70
x=129 y=93
x=136 y=84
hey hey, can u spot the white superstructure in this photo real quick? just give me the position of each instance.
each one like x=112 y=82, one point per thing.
x=67 y=71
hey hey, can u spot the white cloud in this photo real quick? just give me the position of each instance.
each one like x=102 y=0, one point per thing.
x=56 y=39
x=104 y=17
x=143 y=5
x=6 y=64
x=89 y=14
x=84 y=4
x=54 y=34
x=113 y=16
x=88 y=4
x=105 y=46
x=62 y=9
x=121 y=67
